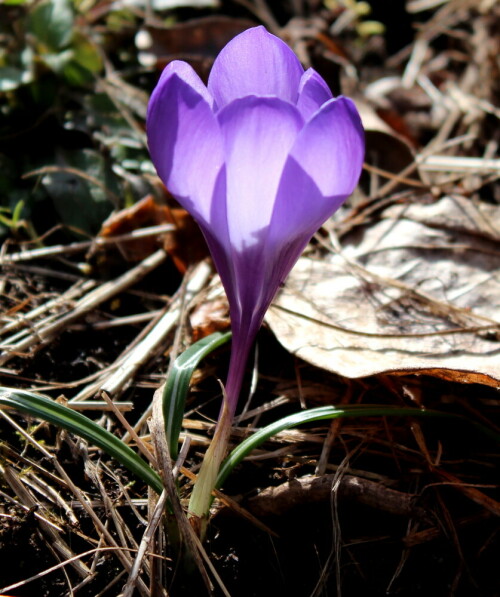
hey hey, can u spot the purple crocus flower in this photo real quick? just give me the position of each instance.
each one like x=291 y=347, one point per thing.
x=260 y=157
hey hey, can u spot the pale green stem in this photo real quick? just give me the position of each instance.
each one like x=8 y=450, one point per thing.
x=201 y=498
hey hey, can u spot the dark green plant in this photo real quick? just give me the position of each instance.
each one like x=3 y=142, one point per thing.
x=68 y=151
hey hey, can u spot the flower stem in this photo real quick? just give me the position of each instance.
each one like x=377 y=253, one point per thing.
x=201 y=498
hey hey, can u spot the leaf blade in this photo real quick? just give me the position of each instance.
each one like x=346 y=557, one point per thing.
x=178 y=381
x=331 y=412
x=44 y=408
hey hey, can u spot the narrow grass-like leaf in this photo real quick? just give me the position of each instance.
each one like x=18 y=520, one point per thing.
x=332 y=412
x=44 y=408
x=177 y=385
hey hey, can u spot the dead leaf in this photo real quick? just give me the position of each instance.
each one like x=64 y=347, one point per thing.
x=418 y=292
x=212 y=315
x=145 y=212
x=185 y=244
x=386 y=148
x=407 y=111
x=197 y=41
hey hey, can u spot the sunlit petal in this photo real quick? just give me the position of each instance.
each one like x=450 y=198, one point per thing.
x=184 y=139
x=258 y=135
x=255 y=63
x=313 y=93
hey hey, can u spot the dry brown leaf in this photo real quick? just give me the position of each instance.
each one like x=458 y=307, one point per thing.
x=198 y=41
x=212 y=315
x=418 y=292
x=185 y=244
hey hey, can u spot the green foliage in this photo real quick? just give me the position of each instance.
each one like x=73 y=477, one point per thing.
x=51 y=24
x=85 y=61
x=44 y=408
x=174 y=398
x=11 y=218
x=61 y=47
x=83 y=190
x=10 y=78
x=243 y=449
x=51 y=72
x=177 y=385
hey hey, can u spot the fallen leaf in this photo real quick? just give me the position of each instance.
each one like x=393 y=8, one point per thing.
x=210 y=316
x=158 y=5
x=185 y=244
x=386 y=148
x=417 y=292
x=197 y=41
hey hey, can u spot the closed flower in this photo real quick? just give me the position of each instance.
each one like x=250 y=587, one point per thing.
x=260 y=157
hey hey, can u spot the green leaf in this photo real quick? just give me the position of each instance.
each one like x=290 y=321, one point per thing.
x=86 y=54
x=51 y=22
x=57 y=62
x=332 y=412
x=177 y=385
x=16 y=214
x=44 y=408
x=11 y=78
x=82 y=197
x=76 y=75
x=85 y=62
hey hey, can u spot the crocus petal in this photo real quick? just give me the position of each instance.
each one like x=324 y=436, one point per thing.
x=258 y=135
x=185 y=72
x=313 y=93
x=217 y=236
x=184 y=139
x=255 y=63
x=331 y=148
x=324 y=165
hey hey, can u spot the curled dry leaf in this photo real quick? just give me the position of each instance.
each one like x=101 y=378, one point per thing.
x=197 y=41
x=276 y=500
x=387 y=148
x=418 y=292
x=185 y=244
x=211 y=315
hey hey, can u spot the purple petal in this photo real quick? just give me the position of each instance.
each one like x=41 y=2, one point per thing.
x=185 y=72
x=331 y=148
x=322 y=171
x=258 y=135
x=184 y=139
x=313 y=93
x=255 y=63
